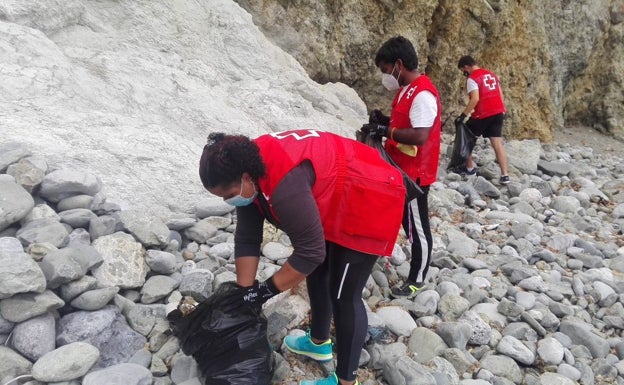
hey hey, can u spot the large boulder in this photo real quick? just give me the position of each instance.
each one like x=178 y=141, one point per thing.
x=15 y=202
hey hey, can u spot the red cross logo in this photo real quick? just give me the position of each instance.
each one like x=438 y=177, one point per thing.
x=296 y=134
x=489 y=81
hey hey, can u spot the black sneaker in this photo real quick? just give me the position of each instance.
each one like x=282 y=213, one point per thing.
x=504 y=179
x=408 y=290
x=470 y=172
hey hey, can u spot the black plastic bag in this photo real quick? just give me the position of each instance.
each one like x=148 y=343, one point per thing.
x=464 y=142
x=412 y=189
x=229 y=342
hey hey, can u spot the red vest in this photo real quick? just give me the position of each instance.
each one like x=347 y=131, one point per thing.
x=359 y=195
x=422 y=168
x=490 y=99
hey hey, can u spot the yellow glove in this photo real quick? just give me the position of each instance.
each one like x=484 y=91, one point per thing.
x=408 y=149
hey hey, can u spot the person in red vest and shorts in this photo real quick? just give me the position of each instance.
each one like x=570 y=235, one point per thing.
x=412 y=133
x=341 y=206
x=488 y=111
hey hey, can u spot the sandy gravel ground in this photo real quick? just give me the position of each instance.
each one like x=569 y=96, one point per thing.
x=584 y=136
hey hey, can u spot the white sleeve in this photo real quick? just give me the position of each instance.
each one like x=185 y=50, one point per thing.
x=424 y=110
x=471 y=85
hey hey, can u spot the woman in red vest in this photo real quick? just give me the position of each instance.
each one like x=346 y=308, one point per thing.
x=340 y=204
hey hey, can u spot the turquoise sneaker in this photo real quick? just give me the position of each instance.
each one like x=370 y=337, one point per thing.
x=331 y=380
x=303 y=345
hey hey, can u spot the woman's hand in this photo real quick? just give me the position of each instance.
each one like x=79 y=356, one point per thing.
x=259 y=292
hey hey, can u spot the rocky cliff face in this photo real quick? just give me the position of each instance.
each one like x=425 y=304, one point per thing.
x=560 y=62
x=131 y=89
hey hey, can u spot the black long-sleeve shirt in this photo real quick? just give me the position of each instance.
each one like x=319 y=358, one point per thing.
x=298 y=216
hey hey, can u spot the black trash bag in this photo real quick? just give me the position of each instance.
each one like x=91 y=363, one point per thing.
x=412 y=189
x=228 y=341
x=464 y=142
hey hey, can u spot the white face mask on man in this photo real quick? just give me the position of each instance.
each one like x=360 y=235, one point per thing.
x=389 y=81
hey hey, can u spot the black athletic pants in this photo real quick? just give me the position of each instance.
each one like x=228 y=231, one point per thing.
x=418 y=230
x=335 y=288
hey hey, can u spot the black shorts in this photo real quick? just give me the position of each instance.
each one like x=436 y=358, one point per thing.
x=490 y=127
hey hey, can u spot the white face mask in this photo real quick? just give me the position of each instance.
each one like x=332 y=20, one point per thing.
x=389 y=81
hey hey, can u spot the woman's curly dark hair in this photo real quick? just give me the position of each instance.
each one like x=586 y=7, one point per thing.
x=226 y=157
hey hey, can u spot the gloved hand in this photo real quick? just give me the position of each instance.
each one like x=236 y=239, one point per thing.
x=258 y=293
x=460 y=119
x=376 y=131
x=376 y=116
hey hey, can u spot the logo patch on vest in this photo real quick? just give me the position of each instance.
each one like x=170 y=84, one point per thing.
x=489 y=81
x=296 y=134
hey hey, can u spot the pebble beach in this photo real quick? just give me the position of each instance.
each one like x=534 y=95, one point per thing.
x=525 y=286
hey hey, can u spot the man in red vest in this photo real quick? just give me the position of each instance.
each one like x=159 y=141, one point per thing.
x=413 y=142
x=488 y=111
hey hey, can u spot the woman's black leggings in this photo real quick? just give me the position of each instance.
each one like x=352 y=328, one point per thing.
x=335 y=288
